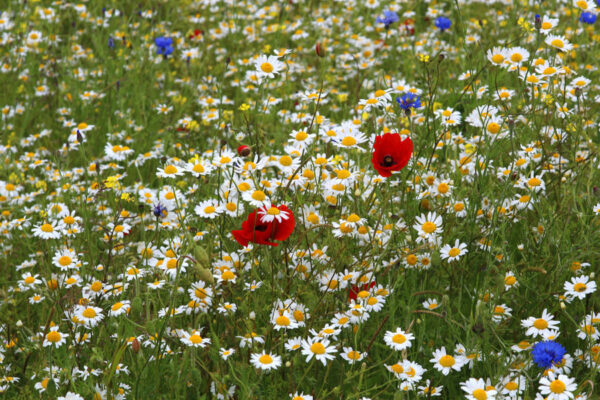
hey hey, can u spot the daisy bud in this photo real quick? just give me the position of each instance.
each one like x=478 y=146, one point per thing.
x=19 y=323
x=204 y=274
x=135 y=345
x=244 y=151
x=357 y=192
x=418 y=321
x=252 y=315
x=592 y=275
x=563 y=305
x=201 y=256
x=320 y=49
x=288 y=364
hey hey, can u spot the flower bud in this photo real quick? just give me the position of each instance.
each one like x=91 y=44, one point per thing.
x=320 y=49
x=252 y=315
x=244 y=151
x=135 y=345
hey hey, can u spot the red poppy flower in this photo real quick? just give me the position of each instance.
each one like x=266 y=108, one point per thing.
x=353 y=294
x=257 y=228
x=390 y=153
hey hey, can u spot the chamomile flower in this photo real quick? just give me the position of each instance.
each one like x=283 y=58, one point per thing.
x=539 y=326
x=54 y=338
x=428 y=226
x=476 y=389
x=194 y=339
x=90 y=316
x=170 y=171
x=558 y=42
x=398 y=340
x=351 y=356
x=559 y=387
x=265 y=361
x=579 y=287
x=445 y=363
x=319 y=348
x=47 y=230
x=226 y=353
x=208 y=209
x=268 y=66
x=453 y=253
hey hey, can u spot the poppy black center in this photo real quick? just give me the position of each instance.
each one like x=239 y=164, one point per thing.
x=388 y=161
x=260 y=228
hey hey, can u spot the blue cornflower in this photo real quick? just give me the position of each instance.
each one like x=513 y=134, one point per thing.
x=111 y=42
x=408 y=101
x=389 y=17
x=159 y=210
x=443 y=23
x=547 y=353
x=588 y=18
x=164 y=45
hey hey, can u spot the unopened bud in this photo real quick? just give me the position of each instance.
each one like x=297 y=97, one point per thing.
x=135 y=345
x=252 y=315
x=538 y=22
x=244 y=151
x=288 y=364
x=320 y=49
x=19 y=323
x=563 y=305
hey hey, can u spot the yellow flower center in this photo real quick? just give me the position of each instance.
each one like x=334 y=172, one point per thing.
x=429 y=227
x=534 y=182
x=266 y=67
x=265 y=359
x=580 y=287
x=29 y=280
x=493 y=128
x=259 y=195
x=273 y=211
x=453 y=252
x=497 y=58
x=353 y=355
x=353 y=218
x=540 y=324
x=516 y=57
x=479 y=394
x=228 y=275
x=317 y=348
x=195 y=338
x=64 y=261
x=53 y=336
x=209 y=210
x=557 y=386
x=117 y=306
x=399 y=338
x=96 y=286
x=282 y=320
x=348 y=141
x=582 y=4
x=447 y=361
x=89 y=313
x=170 y=169
x=286 y=161
x=511 y=386
x=443 y=188
x=379 y=93
x=47 y=228
x=557 y=43
x=546 y=25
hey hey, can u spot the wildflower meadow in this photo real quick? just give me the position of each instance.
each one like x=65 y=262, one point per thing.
x=300 y=199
